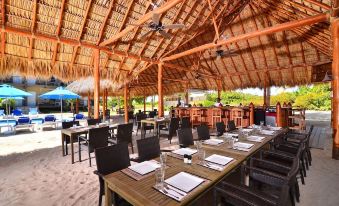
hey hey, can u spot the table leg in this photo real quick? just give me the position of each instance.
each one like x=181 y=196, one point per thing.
x=63 y=144
x=72 y=148
x=108 y=195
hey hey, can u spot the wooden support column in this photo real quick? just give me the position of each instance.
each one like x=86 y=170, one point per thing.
x=186 y=93
x=89 y=105
x=251 y=113
x=278 y=120
x=126 y=103
x=335 y=87
x=77 y=106
x=96 y=55
x=160 y=91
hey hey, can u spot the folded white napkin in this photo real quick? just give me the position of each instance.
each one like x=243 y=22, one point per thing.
x=255 y=138
x=144 y=167
x=184 y=181
x=213 y=141
x=219 y=159
x=183 y=151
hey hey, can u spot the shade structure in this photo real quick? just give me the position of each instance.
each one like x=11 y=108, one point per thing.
x=59 y=93
x=10 y=92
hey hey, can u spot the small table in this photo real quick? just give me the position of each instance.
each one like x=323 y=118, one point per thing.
x=73 y=133
x=155 y=122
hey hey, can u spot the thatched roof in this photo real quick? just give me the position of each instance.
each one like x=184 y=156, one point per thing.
x=44 y=38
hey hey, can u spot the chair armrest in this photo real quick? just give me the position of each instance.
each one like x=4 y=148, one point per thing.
x=98 y=173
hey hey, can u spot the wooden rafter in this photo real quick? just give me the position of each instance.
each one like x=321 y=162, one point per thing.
x=103 y=25
x=142 y=20
x=83 y=23
x=269 y=30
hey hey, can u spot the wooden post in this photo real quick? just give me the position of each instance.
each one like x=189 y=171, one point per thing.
x=278 y=120
x=96 y=54
x=251 y=113
x=89 y=105
x=335 y=88
x=186 y=94
x=77 y=106
x=160 y=92
x=126 y=103
x=144 y=104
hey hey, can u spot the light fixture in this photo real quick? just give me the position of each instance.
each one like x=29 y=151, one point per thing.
x=327 y=77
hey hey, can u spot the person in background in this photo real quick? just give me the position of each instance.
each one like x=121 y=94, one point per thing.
x=218 y=103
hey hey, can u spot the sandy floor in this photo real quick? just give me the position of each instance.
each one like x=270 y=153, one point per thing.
x=38 y=174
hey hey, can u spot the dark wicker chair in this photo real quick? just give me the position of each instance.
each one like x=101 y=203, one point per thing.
x=124 y=134
x=111 y=159
x=185 y=137
x=171 y=130
x=185 y=123
x=203 y=132
x=231 y=126
x=148 y=148
x=221 y=128
x=93 y=121
x=138 y=118
x=97 y=137
x=66 y=125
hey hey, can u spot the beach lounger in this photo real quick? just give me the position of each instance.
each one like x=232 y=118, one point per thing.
x=24 y=123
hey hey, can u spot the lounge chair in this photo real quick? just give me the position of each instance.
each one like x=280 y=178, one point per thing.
x=49 y=121
x=24 y=123
x=17 y=112
x=8 y=123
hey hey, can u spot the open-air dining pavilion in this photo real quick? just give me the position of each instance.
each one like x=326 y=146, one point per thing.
x=220 y=155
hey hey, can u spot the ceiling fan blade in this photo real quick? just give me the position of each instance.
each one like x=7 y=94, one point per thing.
x=165 y=34
x=174 y=26
x=144 y=37
x=156 y=18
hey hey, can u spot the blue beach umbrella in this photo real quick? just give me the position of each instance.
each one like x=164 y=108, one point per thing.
x=10 y=92
x=59 y=93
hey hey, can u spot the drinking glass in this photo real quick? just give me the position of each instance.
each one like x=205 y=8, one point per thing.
x=201 y=156
x=159 y=178
x=163 y=159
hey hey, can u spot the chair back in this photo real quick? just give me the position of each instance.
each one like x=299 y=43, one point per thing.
x=17 y=112
x=148 y=148
x=50 y=118
x=185 y=122
x=203 y=132
x=23 y=120
x=79 y=116
x=93 y=121
x=221 y=128
x=185 y=137
x=124 y=133
x=98 y=137
x=231 y=125
x=112 y=158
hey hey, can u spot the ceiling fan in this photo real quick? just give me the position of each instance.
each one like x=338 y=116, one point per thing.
x=156 y=25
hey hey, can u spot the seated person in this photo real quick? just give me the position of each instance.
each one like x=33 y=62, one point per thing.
x=218 y=103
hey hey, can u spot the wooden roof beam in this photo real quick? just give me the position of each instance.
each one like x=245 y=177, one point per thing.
x=84 y=19
x=168 y=5
x=270 y=30
x=102 y=26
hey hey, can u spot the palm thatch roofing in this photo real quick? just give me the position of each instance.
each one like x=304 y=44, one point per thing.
x=44 y=38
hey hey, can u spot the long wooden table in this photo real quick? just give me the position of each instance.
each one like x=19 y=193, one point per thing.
x=142 y=193
x=73 y=133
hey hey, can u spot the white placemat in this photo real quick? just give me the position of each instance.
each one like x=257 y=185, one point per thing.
x=219 y=159
x=184 y=181
x=183 y=151
x=144 y=167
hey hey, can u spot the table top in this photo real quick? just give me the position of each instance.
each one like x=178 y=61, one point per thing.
x=142 y=192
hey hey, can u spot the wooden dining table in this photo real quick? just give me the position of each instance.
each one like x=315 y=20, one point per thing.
x=141 y=192
x=156 y=122
x=74 y=132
